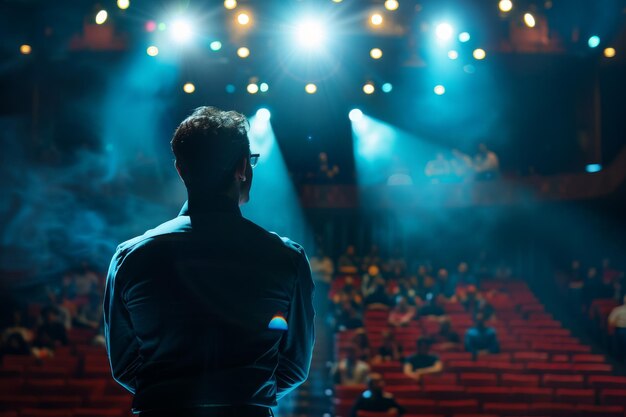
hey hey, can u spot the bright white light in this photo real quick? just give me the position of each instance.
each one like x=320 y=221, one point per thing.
x=529 y=19
x=243 y=52
x=263 y=114
x=252 y=88
x=376 y=19
x=444 y=31
x=439 y=90
x=243 y=19
x=310 y=88
x=123 y=4
x=355 y=115
x=593 y=41
x=505 y=5
x=376 y=53
x=453 y=54
x=368 y=88
x=310 y=34
x=464 y=37
x=230 y=4
x=216 y=45
x=391 y=5
x=181 y=30
x=101 y=17
x=189 y=88
x=264 y=87
x=479 y=54
x=152 y=50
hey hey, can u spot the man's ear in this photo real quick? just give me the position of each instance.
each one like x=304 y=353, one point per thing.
x=240 y=170
x=179 y=169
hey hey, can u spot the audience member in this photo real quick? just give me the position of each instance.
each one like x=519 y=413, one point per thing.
x=351 y=370
x=481 y=339
x=446 y=284
x=348 y=317
x=438 y=167
x=368 y=283
x=422 y=363
x=16 y=338
x=390 y=350
x=50 y=334
x=402 y=314
x=446 y=338
x=322 y=267
x=375 y=399
x=348 y=262
x=361 y=344
x=431 y=307
x=463 y=276
x=617 y=320
x=486 y=163
x=378 y=298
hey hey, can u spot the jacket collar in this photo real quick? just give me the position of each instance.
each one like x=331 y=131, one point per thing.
x=210 y=204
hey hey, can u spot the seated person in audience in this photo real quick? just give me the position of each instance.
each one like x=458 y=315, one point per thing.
x=347 y=317
x=446 y=284
x=402 y=314
x=446 y=338
x=50 y=334
x=368 y=284
x=390 y=350
x=463 y=275
x=481 y=339
x=348 y=262
x=431 y=307
x=422 y=362
x=16 y=338
x=617 y=320
x=375 y=399
x=406 y=288
x=350 y=370
x=476 y=303
x=361 y=344
x=428 y=286
x=379 y=298
x=89 y=315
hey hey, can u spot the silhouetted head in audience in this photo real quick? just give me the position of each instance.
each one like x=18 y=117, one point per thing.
x=442 y=274
x=402 y=303
x=423 y=346
x=376 y=384
x=350 y=250
x=212 y=152
x=445 y=326
x=592 y=273
x=463 y=268
x=480 y=321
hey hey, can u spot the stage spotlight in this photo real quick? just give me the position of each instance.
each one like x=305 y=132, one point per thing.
x=609 y=52
x=151 y=26
x=101 y=17
x=310 y=34
x=355 y=115
x=591 y=168
x=123 y=4
x=529 y=19
x=215 y=45
x=181 y=30
x=439 y=90
x=593 y=41
x=263 y=87
x=464 y=37
x=505 y=5
x=444 y=31
x=310 y=88
x=453 y=54
x=263 y=114
x=479 y=54
x=387 y=87
x=230 y=4
x=243 y=52
x=337 y=1
x=376 y=53
x=152 y=50
x=376 y=19
x=252 y=88
x=369 y=88
x=391 y=5
x=189 y=88
x=25 y=49
x=243 y=19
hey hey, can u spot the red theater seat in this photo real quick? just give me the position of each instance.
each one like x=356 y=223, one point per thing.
x=404 y=392
x=613 y=397
x=350 y=392
x=60 y=401
x=478 y=379
x=576 y=396
x=493 y=394
x=563 y=381
x=45 y=386
x=553 y=409
x=588 y=358
x=592 y=368
x=458 y=406
x=519 y=380
x=419 y=406
x=11 y=385
x=92 y=412
x=444 y=378
x=507 y=409
x=444 y=392
x=606 y=381
x=601 y=410
x=533 y=394
x=18 y=401
x=34 y=412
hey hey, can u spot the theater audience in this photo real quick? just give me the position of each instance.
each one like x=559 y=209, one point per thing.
x=375 y=399
x=348 y=263
x=431 y=307
x=446 y=284
x=16 y=338
x=361 y=345
x=422 y=362
x=486 y=163
x=390 y=350
x=402 y=314
x=617 y=320
x=378 y=297
x=368 y=283
x=350 y=370
x=347 y=317
x=463 y=276
x=481 y=339
x=322 y=267
x=50 y=333
x=446 y=338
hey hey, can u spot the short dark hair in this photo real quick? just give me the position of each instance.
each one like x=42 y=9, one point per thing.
x=208 y=145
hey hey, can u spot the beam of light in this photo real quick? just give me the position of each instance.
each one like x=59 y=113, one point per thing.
x=444 y=31
x=263 y=114
x=594 y=41
x=181 y=30
x=529 y=20
x=310 y=33
x=591 y=168
x=101 y=17
x=355 y=115
x=274 y=202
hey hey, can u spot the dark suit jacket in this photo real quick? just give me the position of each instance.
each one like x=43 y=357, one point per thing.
x=190 y=311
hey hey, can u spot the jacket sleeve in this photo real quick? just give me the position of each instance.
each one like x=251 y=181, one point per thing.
x=296 y=347
x=121 y=343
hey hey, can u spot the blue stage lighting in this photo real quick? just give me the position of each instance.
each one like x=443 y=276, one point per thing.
x=594 y=41
x=263 y=87
x=444 y=31
x=310 y=33
x=230 y=89
x=216 y=45
x=591 y=168
x=263 y=114
x=180 y=30
x=387 y=87
x=464 y=37
x=439 y=90
x=355 y=115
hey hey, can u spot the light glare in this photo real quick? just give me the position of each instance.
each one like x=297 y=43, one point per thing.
x=479 y=54
x=368 y=88
x=101 y=17
x=264 y=87
x=189 y=88
x=376 y=19
x=310 y=34
x=253 y=88
x=444 y=31
x=123 y=4
x=376 y=53
x=439 y=90
x=453 y=54
x=230 y=4
x=243 y=19
x=464 y=37
x=505 y=5
x=216 y=45
x=152 y=50
x=355 y=115
x=529 y=19
x=181 y=31
x=387 y=87
x=25 y=49
x=391 y=5
x=310 y=88
x=594 y=41
x=609 y=52
x=263 y=114
x=243 y=52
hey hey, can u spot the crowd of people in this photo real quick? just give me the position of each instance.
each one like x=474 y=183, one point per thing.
x=371 y=282
x=38 y=327
x=458 y=166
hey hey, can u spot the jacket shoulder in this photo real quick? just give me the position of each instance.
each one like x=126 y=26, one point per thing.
x=170 y=228
x=281 y=241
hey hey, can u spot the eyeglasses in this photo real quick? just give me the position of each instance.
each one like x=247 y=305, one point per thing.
x=254 y=159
